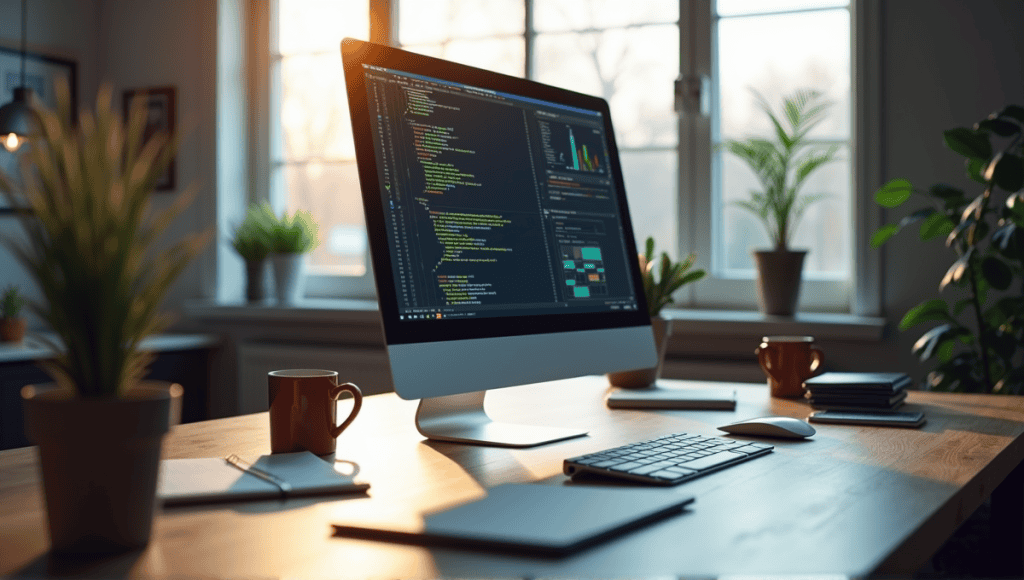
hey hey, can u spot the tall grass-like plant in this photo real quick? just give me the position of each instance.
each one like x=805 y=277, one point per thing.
x=783 y=165
x=92 y=238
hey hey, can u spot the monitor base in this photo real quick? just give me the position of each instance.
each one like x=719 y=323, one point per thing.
x=462 y=419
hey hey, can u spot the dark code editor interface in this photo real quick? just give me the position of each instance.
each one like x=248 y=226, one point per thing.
x=495 y=204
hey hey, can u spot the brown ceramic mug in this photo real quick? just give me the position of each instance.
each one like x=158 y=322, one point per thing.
x=303 y=410
x=788 y=361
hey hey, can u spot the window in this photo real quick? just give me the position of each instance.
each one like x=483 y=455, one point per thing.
x=680 y=180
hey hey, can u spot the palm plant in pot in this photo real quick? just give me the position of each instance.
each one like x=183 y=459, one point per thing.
x=661 y=279
x=291 y=237
x=92 y=250
x=12 y=324
x=782 y=167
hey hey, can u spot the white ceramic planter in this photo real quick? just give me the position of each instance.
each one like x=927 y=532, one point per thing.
x=288 y=277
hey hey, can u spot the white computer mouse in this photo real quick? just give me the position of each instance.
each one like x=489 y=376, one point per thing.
x=786 y=427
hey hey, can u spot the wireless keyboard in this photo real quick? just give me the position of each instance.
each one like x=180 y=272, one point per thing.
x=667 y=460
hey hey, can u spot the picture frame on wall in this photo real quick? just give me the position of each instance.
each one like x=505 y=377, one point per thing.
x=161 y=111
x=41 y=71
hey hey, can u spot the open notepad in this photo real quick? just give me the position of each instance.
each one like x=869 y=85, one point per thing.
x=212 y=479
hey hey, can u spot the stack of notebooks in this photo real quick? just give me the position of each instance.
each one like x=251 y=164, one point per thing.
x=857 y=391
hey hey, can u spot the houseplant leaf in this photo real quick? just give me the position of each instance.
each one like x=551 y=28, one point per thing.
x=883 y=234
x=996 y=272
x=894 y=193
x=969 y=143
x=937 y=224
x=929 y=310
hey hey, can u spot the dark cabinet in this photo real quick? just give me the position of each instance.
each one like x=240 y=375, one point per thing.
x=189 y=368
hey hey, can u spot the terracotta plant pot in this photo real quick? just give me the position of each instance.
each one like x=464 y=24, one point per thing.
x=778 y=280
x=12 y=329
x=640 y=378
x=99 y=460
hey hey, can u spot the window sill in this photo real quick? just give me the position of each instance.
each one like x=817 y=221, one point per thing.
x=742 y=323
x=686 y=322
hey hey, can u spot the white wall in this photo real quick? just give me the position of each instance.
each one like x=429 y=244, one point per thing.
x=148 y=43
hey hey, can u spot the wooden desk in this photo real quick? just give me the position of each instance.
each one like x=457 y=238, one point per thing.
x=851 y=500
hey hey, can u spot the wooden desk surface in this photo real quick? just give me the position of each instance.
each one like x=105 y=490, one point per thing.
x=851 y=500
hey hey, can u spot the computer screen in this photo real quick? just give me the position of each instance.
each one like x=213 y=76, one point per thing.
x=498 y=226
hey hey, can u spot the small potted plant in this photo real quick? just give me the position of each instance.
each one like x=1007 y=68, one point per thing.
x=661 y=279
x=782 y=166
x=252 y=240
x=12 y=324
x=291 y=237
x=91 y=247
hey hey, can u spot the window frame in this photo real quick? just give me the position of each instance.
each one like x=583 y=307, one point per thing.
x=861 y=294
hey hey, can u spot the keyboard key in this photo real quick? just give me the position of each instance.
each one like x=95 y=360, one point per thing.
x=628 y=466
x=651 y=468
x=666 y=474
x=711 y=461
x=607 y=464
x=748 y=449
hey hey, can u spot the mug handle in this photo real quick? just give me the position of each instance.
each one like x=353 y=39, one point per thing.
x=762 y=354
x=357 y=403
x=817 y=359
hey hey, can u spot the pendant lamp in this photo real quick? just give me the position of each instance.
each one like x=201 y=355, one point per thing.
x=17 y=119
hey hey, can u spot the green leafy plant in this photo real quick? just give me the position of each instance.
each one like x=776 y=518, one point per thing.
x=253 y=238
x=91 y=240
x=11 y=302
x=979 y=345
x=783 y=165
x=294 y=234
x=670 y=277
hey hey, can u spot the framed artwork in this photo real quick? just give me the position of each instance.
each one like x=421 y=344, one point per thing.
x=40 y=73
x=160 y=113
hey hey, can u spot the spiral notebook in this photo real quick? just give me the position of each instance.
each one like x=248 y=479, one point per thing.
x=213 y=479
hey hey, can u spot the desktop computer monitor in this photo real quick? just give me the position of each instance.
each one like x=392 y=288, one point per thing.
x=502 y=248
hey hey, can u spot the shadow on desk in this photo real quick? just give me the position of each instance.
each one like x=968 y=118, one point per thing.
x=114 y=566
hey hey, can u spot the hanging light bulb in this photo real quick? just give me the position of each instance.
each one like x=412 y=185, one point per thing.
x=12 y=142
x=17 y=119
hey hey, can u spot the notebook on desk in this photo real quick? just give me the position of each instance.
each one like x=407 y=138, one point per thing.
x=657 y=397
x=550 y=520
x=212 y=479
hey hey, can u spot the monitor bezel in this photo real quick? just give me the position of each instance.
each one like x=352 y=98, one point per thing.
x=355 y=54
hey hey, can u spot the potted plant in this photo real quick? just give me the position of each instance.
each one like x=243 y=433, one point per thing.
x=12 y=325
x=291 y=237
x=979 y=344
x=782 y=166
x=91 y=248
x=661 y=279
x=252 y=240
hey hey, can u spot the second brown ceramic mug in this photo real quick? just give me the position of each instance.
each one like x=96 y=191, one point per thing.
x=303 y=410
x=788 y=361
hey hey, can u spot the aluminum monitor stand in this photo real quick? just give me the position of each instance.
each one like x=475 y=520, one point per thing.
x=462 y=419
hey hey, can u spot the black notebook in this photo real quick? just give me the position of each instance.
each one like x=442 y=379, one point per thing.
x=541 y=519
x=858 y=382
